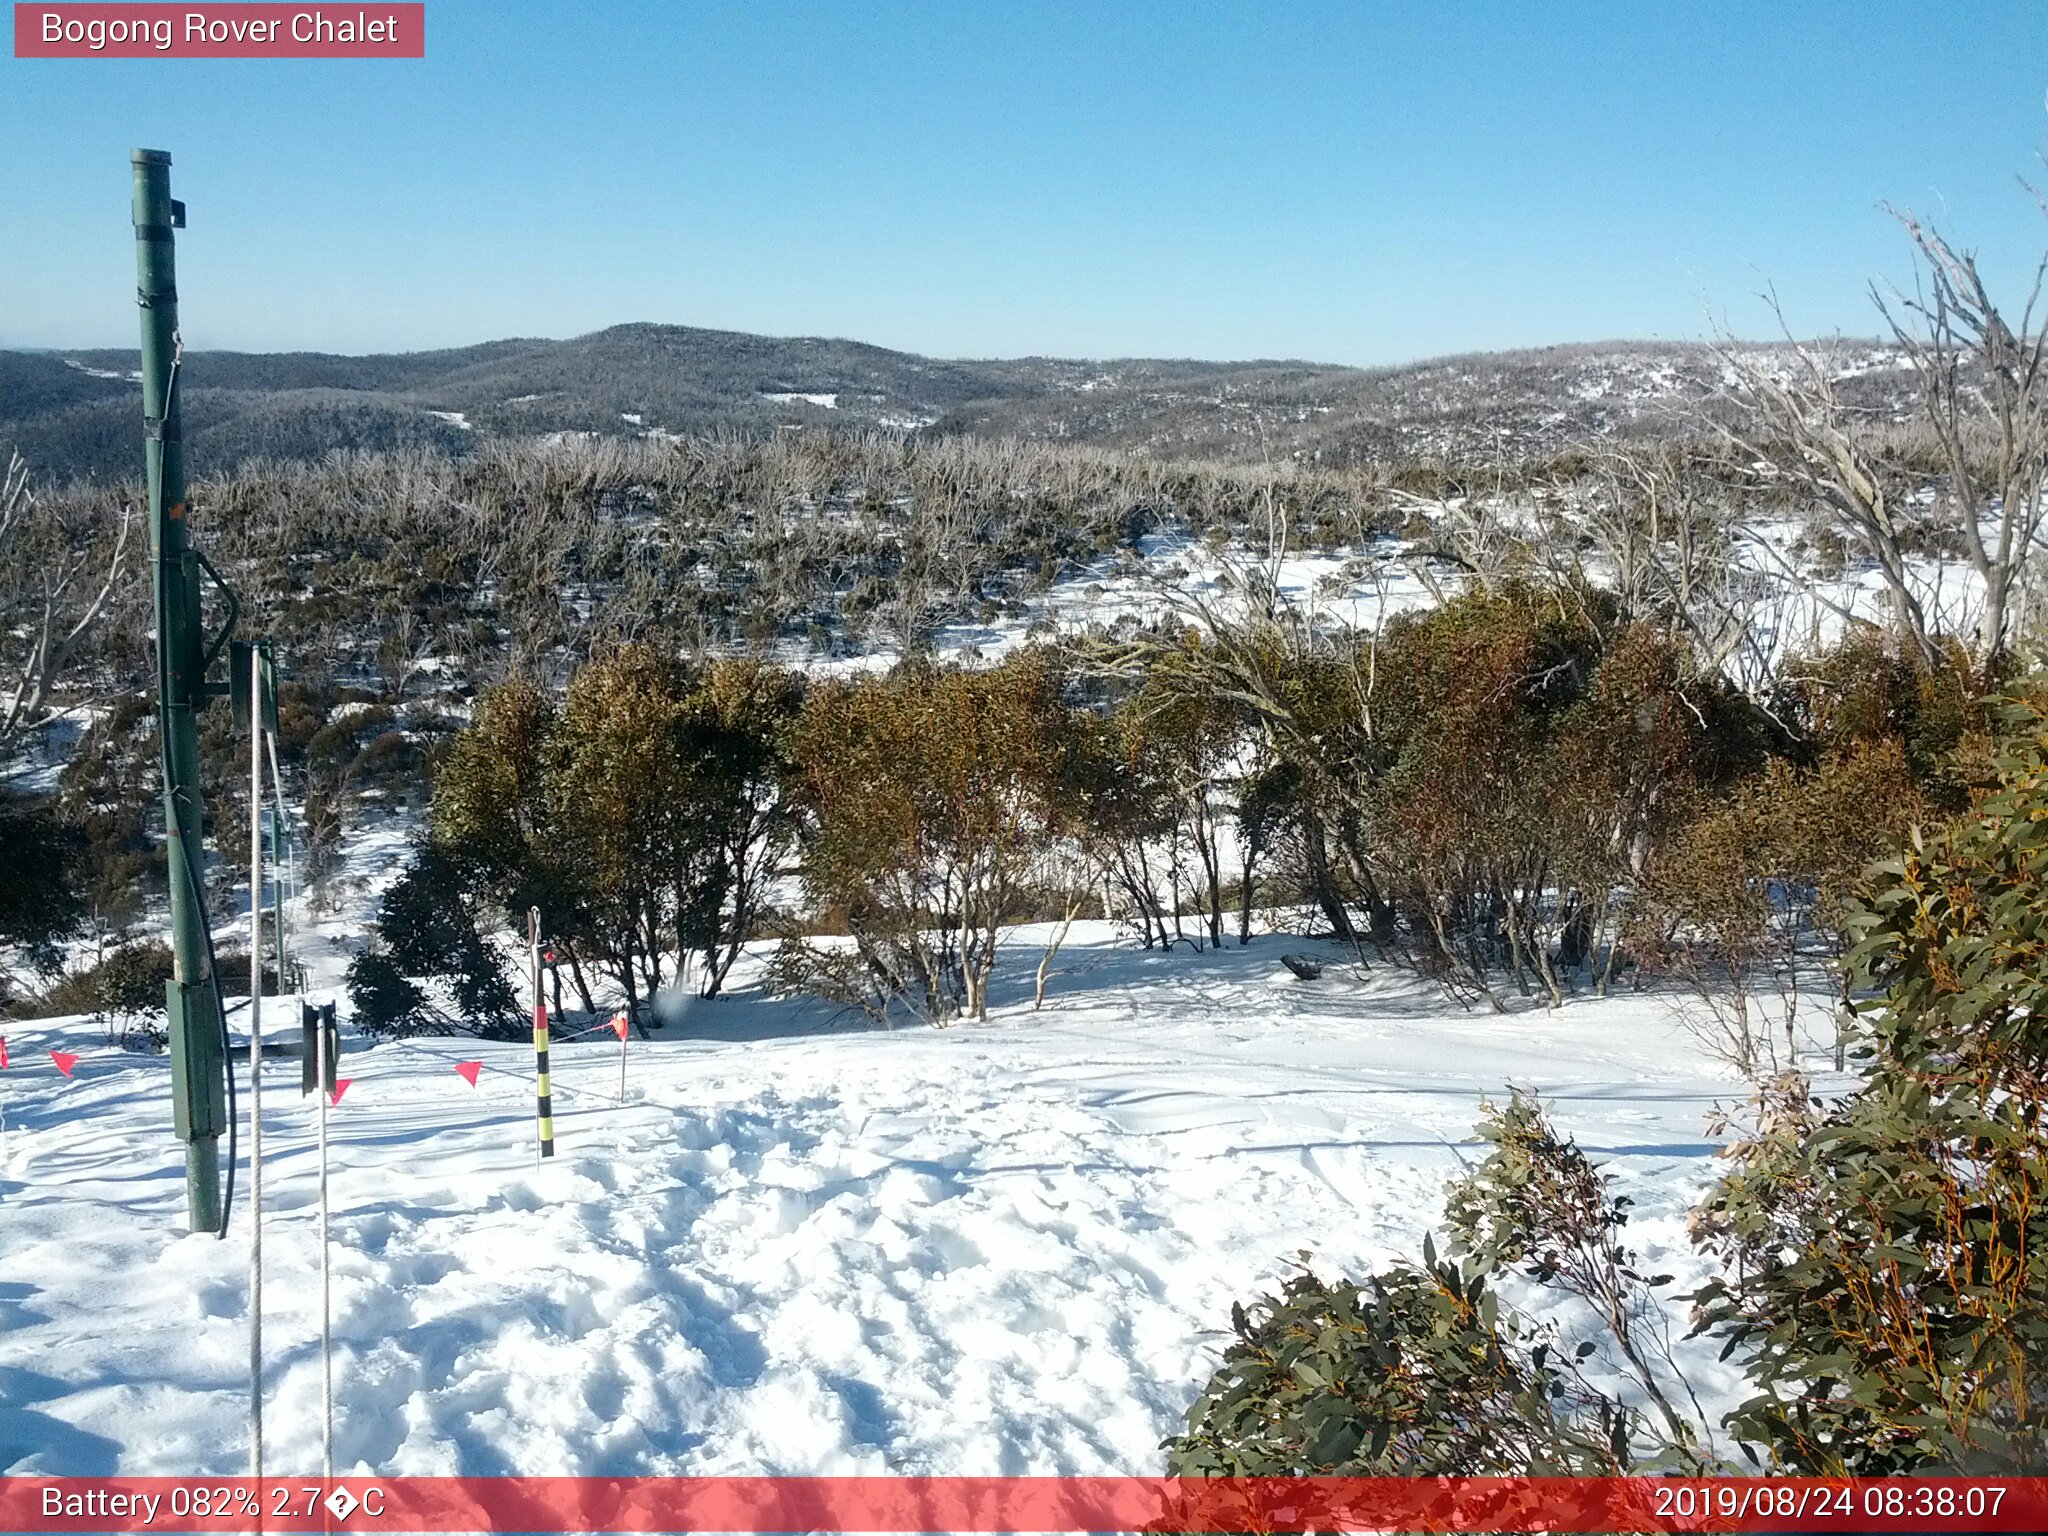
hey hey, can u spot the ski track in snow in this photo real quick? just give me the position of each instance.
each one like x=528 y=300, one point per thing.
x=796 y=1248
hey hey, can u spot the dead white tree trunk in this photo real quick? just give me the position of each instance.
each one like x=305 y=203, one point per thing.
x=49 y=603
x=1982 y=397
x=1984 y=413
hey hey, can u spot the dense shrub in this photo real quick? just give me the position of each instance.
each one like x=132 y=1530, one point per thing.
x=385 y=1001
x=426 y=930
x=1881 y=1258
x=124 y=990
x=42 y=899
x=1885 y=1254
x=932 y=801
x=128 y=994
x=645 y=817
x=1416 y=1371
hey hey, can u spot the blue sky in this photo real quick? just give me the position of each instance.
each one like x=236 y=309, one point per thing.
x=1357 y=182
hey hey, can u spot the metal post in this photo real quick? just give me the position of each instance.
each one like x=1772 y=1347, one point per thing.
x=192 y=996
x=255 y=660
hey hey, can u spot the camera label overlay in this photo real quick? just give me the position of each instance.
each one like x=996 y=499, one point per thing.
x=253 y=31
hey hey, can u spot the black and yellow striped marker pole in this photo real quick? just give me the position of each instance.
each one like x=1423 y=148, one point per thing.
x=544 y=1105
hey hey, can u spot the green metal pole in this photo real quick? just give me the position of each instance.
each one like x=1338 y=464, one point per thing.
x=191 y=997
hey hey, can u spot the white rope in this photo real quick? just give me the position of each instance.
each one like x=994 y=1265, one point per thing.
x=286 y=889
x=326 y=1267
x=256 y=1064
x=603 y=1100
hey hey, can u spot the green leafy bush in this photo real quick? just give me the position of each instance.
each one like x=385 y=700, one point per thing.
x=1538 y=1202
x=41 y=900
x=1885 y=1255
x=1414 y=1371
x=384 y=1000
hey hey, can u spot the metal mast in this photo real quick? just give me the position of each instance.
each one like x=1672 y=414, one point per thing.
x=184 y=652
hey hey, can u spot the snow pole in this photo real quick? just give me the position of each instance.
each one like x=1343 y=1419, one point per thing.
x=544 y=1102
x=283 y=881
x=254 y=659
x=622 y=1024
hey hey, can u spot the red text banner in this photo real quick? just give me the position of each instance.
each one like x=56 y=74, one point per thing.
x=235 y=31
x=1024 y=1504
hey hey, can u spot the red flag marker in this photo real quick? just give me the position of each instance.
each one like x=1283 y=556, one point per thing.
x=469 y=1070
x=340 y=1087
x=65 y=1061
x=3 y=1053
x=620 y=1023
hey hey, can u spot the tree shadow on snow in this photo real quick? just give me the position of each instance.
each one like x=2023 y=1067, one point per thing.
x=34 y=1442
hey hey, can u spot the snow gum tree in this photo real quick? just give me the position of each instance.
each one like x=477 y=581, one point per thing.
x=1171 y=744
x=1967 y=481
x=733 y=734
x=930 y=799
x=68 y=567
x=1528 y=761
x=645 y=816
x=493 y=813
x=617 y=793
x=1748 y=890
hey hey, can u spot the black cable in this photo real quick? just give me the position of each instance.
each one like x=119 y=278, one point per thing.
x=227 y=1060
x=172 y=829
x=227 y=1198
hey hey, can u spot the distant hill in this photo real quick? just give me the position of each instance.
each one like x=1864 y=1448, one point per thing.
x=75 y=414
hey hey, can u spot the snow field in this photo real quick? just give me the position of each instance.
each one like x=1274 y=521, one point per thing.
x=795 y=1248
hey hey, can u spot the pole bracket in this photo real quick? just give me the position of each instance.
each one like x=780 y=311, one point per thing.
x=198 y=1087
x=227 y=627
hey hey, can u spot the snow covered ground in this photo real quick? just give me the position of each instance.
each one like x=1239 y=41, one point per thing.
x=1168 y=573
x=797 y=1246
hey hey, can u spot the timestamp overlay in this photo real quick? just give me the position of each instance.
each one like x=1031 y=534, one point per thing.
x=1021 y=1504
